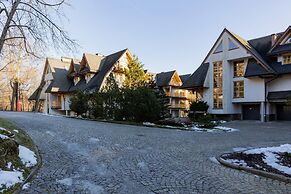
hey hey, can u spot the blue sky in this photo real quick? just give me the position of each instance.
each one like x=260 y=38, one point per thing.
x=168 y=34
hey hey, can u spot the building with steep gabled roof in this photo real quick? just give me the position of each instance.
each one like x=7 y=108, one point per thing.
x=63 y=77
x=243 y=79
x=179 y=99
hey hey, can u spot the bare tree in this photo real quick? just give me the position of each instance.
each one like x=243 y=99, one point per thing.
x=33 y=26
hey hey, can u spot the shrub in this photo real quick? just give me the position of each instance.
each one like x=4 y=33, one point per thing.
x=198 y=109
x=96 y=107
x=79 y=103
x=205 y=121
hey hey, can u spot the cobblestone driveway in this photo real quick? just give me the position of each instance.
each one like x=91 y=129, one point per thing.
x=90 y=157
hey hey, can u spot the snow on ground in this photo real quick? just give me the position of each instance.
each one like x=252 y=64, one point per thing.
x=27 y=156
x=237 y=162
x=3 y=136
x=213 y=159
x=15 y=130
x=9 y=179
x=148 y=124
x=271 y=156
x=25 y=186
x=215 y=129
x=93 y=140
x=66 y=181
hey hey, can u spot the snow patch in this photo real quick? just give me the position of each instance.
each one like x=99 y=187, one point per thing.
x=27 y=156
x=237 y=162
x=141 y=164
x=66 y=181
x=92 y=188
x=25 y=186
x=9 y=179
x=93 y=140
x=148 y=124
x=3 y=136
x=213 y=159
x=9 y=164
x=50 y=133
x=271 y=156
x=15 y=130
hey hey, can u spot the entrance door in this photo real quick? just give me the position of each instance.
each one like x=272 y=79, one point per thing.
x=251 y=112
x=284 y=112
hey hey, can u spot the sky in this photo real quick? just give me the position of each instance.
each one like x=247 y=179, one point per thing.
x=170 y=34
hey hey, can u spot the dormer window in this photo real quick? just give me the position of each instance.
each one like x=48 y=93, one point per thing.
x=88 y=77
x=76 y=80
x=288 y=40
x=286 y=59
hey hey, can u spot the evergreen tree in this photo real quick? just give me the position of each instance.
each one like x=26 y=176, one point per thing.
x=79 y=103
x=134 y=74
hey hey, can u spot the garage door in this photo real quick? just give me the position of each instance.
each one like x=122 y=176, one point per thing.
x=284 y=112
x=251 y=112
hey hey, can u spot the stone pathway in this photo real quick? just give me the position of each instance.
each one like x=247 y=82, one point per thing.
x=91 y=157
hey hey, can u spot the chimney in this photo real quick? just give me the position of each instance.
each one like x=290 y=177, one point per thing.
x=274 y=38
x=99 y=54
x=66 y=59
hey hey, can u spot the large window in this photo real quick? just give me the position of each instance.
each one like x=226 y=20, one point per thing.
x=238 y=89
x=217 y=85
x=219 y=48
x=287 y=59
x=231 y=45
x=238 y=69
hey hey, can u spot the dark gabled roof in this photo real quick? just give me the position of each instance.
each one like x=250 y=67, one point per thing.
x=281 y=49
x=36 y=94
x=80 y=86
x=254 y=69
x=279 y=39
x=184 y=77
x=279 y=95
x=164 y=78
x=249 y=47
x=61 y=82
x=197 y=79
x=106 y=66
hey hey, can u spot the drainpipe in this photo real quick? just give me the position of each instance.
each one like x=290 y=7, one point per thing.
x=265 y=102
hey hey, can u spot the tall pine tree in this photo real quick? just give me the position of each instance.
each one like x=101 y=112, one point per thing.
x=134 y=74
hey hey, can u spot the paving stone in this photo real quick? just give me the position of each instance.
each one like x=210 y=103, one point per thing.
x=90 y=157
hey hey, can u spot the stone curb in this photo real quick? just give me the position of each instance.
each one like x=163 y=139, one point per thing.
x=253 y=171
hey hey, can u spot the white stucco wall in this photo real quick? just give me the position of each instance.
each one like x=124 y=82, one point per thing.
x=282 y=83
x=253 y=88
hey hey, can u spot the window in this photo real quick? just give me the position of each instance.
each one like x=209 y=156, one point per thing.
x=217 y=85
x=287 y=59
x=231 y=45
x=238 y=69
x=288 y=41
x=219 y=48
x=238 y=89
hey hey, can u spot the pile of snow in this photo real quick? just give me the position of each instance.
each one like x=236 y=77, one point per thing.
x=237 y=162
x=27 y=156
x=148 y=124
x=271 y=156
x=3 y=136
x=215 y=129
x=9 y=179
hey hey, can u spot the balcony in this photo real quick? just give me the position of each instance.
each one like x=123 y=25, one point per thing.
x=56 y=105
x=178 y=106
x=176 y=95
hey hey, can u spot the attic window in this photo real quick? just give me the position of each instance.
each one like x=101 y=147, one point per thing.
x=288 y=41
x=219 y=48
x=286 y=59
x=231 y=45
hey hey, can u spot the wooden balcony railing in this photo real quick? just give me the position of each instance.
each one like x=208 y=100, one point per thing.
x=176 y=94
x=181 y=106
